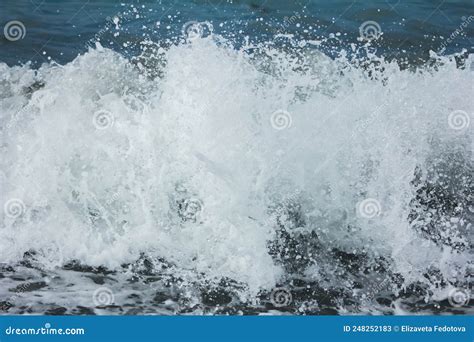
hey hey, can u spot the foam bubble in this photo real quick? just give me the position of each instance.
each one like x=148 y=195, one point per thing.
x=203 y=134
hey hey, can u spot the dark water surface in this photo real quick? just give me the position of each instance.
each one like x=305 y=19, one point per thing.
x=61 y=30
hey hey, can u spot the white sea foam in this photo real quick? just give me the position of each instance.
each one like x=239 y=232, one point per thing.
x=104 y=190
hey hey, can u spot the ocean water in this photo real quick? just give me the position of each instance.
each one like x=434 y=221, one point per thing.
x=236 y=157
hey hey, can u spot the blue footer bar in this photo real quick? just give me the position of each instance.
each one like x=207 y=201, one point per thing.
x=241 y=329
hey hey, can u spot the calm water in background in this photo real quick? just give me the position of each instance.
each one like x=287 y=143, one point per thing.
x=59 y=30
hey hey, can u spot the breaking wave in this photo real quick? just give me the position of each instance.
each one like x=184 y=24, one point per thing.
x=261 y=167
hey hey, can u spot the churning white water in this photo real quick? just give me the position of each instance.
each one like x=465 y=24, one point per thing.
x=103 y=163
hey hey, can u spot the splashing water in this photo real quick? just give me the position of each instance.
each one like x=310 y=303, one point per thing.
x=205 y=175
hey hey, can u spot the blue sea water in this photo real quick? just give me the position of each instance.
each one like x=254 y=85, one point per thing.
x=236 y=157
x=60 y=30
